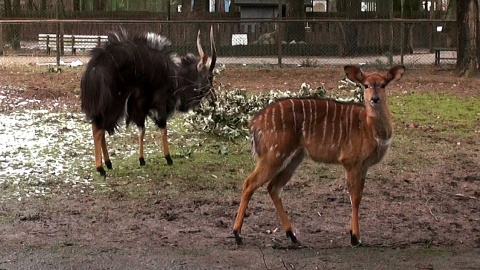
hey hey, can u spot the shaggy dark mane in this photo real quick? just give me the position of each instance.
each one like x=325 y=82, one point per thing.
x=154 y=41
x=118 y=36
x=189 y=59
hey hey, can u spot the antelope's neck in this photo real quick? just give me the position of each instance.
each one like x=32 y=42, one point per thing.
x=380 y=121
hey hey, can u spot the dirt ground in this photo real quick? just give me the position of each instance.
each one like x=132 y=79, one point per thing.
x=422 y=218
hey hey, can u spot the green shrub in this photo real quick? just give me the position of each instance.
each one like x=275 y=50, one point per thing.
x=229 y=115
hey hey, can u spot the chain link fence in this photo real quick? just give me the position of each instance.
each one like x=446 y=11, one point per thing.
x=311 y=42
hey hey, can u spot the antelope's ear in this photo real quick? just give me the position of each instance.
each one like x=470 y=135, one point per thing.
x=395 y=73
x=354 y=73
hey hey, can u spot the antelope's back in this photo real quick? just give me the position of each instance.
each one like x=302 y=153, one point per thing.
x=322 y=127
x=125 y=67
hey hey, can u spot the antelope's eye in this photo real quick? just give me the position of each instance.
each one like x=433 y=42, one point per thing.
x=383 y=85
x=365 y=86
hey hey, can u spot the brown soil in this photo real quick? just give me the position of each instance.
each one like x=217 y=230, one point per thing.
x=419 y=218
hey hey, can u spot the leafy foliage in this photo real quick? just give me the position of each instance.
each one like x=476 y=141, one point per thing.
x=229 y=115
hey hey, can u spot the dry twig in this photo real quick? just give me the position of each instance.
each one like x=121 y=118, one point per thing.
x=263 y=257
x=430 y=209
x=461 y=196
x=285 y=265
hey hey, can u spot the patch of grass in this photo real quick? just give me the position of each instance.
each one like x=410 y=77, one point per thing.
x=427 y=123
x=446 y=113
x=212 y=167
x=201 y=162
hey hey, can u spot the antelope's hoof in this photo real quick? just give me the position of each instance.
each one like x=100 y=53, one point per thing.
x=102 y=171
x=142 y=161
x=108 y=163
x=292 y=237
x=354 y=241
x=238 y=239
x=169 y=159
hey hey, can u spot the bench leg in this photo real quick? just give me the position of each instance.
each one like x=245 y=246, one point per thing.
x=437 y=58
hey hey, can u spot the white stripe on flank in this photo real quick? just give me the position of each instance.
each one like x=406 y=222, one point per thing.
x=310 y=127
x=287 y=161
x=281 y=115
x=333 y=122
x=325 y=123
x=293 y=114
x=347 y=124
x=313 y=118
x=350 y=128
x=265 y=120
x=274 y=123
x=340 y=122
x=304 y=116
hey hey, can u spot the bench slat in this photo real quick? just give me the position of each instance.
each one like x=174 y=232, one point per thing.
x=71 y=42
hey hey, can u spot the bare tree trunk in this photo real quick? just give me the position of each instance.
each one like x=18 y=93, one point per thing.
x=2 y=45
x=2 y=26
x=435 y=5
x=7 y=8
x=200 y=6
x=353 y=11
x=99 y=5
x=467 y=45
x=43 y=4
x=16 y=7
x=186 y=6
x=12 y=10
x=219 y=5
x=30 y=5
x=233 y=7
x=295 y=9
x=76 y=5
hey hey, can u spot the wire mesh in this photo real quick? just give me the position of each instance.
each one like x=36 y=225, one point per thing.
x=310 y=42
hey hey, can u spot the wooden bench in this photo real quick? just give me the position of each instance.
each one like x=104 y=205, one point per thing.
x=49 y=42
x=86 y=42
x=438 y=56
x=70 y=43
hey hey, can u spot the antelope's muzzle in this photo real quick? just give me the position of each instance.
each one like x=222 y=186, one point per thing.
x=375 y=99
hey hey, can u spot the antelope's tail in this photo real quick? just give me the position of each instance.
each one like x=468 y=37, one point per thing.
x=256 y=134
x=96 y=97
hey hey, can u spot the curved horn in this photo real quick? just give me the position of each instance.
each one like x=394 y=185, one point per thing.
x=213 y=49
x=199 y=46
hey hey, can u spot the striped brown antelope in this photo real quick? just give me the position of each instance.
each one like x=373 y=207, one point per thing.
x=354 y=135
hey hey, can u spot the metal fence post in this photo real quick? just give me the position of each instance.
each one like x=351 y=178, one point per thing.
x=2 y=48
x=402 y=37
x=279 y=33
x=168 y=19
x=390 y=55
x=402 y=31
x=57 y=14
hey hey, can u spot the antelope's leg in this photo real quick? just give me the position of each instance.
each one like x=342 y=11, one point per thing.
x=166 y=152
x=106 y=157
x=274 y=188
x=98 y=141
x=355 y=184
x=141 y=136
x=263 y=172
